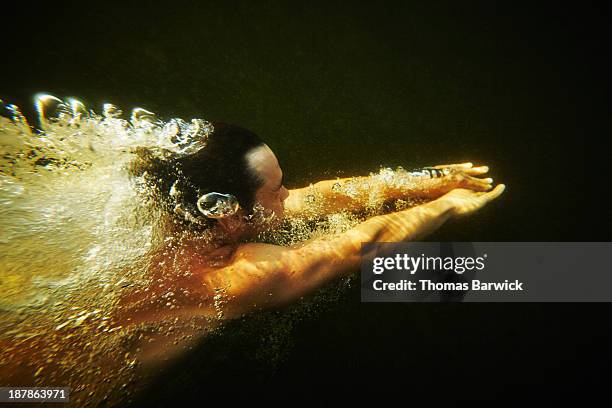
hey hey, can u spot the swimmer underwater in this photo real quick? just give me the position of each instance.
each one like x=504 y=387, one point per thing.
x=237 y=164
x=215 y=203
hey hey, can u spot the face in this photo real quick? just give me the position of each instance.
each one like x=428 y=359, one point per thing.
x=272 y=194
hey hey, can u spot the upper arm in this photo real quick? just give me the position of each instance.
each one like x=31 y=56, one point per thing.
x=263 y=275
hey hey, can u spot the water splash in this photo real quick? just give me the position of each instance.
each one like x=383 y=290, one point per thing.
x=76 y=230
x=66 y=189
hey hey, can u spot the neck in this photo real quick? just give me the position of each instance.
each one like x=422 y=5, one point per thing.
x=231 y=233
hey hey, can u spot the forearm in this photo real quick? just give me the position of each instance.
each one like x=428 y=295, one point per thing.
x=367 y=192
x=407 y=225
x=330 y=196
x=326 y=259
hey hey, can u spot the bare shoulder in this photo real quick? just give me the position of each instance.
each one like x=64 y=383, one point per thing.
x=250 y=265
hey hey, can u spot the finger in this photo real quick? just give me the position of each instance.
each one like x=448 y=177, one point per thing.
x=458 y=166
x=476 y=171
x=496 y=192
x=477 y=184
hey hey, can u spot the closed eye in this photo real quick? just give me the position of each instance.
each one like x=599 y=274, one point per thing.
x=281 y=183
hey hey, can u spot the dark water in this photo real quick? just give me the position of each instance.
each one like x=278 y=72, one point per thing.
x=341 y=90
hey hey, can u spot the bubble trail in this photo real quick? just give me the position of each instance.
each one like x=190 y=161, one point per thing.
x=77 y=231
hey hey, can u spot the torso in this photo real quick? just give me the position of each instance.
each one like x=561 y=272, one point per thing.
x=175 y=308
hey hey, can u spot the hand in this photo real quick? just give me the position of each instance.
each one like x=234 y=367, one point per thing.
x=467 y=168
x=464 y=175
x=465 y=202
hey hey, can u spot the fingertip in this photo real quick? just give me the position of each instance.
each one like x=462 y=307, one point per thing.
x=496 y=192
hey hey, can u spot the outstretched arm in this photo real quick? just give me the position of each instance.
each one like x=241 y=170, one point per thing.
x=263 y=275
x=359 y=193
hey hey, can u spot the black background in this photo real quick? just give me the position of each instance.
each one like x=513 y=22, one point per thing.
x=338 y=89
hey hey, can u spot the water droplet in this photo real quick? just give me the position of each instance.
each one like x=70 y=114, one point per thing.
x=350 y=188
x=386 y=175
x=196 y=136
x=424 y=173
x=174 y=192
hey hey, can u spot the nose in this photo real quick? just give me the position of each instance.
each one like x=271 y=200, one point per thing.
x=284 y=193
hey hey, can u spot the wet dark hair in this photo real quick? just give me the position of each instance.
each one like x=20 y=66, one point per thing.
x=221 y=166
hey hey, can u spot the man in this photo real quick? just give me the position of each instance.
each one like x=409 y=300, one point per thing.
x=230 y=191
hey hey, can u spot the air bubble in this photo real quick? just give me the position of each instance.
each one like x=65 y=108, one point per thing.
x=18 y=119
x=142 y=117
x=217 y=205
x=51 y=109
x=77 y=109
x=111 y=111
